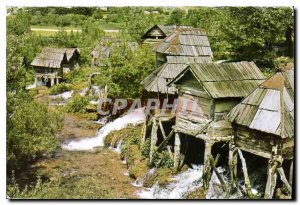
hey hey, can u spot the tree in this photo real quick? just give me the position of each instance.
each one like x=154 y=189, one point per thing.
x=253 y=32
x=176 y=17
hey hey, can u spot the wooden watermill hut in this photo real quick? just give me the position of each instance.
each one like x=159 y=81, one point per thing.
x=263 y=125
x=207 y=92
x=103 y=50
x=52 y=63
x=183 y=46
x=158 y=32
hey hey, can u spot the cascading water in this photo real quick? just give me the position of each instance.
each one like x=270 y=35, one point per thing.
x=65 y=95
x=34 y=85
x=135 y=117
x=188 y=182
x=183 y=183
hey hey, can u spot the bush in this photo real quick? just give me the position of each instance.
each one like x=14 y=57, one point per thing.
x=59 y=88
x=145 y=150
x=30 y=130
x=77 y=104
x=162 y=159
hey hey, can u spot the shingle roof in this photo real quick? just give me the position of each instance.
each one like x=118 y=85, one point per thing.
x=269 y=108
x=225 y=79
x=157 y=81
x=185 y=42
x=165 y=29
x=53 y=57
x=104 y=47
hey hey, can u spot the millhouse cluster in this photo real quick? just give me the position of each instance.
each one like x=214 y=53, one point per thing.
x=236 y=105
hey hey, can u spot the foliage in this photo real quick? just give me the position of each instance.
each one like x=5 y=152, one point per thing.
x=145 y=150
x=162 y=159
x=18 y=24
x=254 y=32
x=176 y=17
x=30 y=130
x=59 y=88
x=134 y=22
x=77 y=104
x=126 y=66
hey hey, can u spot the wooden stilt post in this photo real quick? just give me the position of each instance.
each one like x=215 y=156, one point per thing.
x=184 y=151
x=207 y=165
x=271 y=180
x=144 y=133
x=52 y=81
x=57 y=80
x=246 y=176
x=232 y=162
x=284 y=180
x=165 y=137
x=291 y=174
x=177 y=151
x=35 y=80
x=221 y=179
x=153 y=138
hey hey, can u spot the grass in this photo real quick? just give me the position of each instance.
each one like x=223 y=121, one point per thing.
x=49 y=30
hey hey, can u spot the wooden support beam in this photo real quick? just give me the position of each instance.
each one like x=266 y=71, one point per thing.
x=165 y=141
x=144 y=133
x=153 y=138
x=284 y=180
x=204 y=127
x=177 y=151
x=221 y=179
x=232 y=163
x=165 y=137
x=184 y=151
x=246 y=176
x=207 y=165
x=271 y=180
x=291 y=174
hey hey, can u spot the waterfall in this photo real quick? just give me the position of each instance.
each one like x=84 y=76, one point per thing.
x=135 y=117
x=33 y=85
x=188 y=182
x=64 y=95
x=183 y=183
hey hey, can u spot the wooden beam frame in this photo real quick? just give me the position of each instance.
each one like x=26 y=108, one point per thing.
x=165 y=139
x=246 y=176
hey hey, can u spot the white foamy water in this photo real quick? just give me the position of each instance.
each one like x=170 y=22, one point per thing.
x=134 y=118
x=118 y=148
x=188 y=182
x=84 y=91
x=183 y=183
x=94 y=102
x=65 y=95
x=33 y=85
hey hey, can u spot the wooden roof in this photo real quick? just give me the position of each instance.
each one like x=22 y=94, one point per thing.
x=103 y=48
x=164 y=29
x=185 y=42
x=157 y=81
x=53 y=57
x=270 y=107
x=222 y=80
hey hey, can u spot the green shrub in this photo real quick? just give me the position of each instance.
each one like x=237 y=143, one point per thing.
x=31 y=129
x=59 y=88
x=145 y=150
x=77 y=104
x=162 y=159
